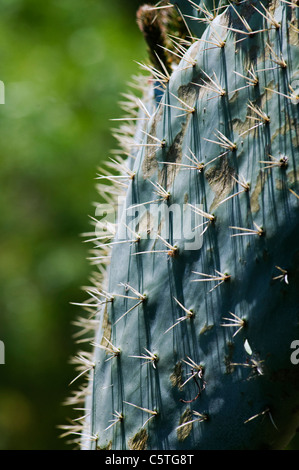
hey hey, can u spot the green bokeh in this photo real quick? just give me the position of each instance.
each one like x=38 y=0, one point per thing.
x=64 y=64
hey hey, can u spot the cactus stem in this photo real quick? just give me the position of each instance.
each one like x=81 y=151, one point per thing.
x=221 y=93
x=259 y=231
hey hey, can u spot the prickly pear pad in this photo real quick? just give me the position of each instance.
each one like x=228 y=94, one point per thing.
x=196 y=296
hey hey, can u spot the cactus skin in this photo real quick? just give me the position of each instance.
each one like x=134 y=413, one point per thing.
x=246 y=392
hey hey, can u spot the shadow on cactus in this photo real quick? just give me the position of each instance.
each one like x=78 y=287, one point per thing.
x=194 y=302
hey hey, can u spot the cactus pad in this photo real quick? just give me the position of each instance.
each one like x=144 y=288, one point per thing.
x=195 y=296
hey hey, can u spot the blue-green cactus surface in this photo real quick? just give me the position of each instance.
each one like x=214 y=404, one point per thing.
x=195 y=296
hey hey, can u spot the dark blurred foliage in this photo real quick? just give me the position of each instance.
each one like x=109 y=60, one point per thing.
x=64 y=64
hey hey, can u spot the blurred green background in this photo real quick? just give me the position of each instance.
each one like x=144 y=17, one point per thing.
x=64 y=64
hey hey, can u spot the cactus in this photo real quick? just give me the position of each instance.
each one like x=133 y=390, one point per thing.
x=194 y=301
